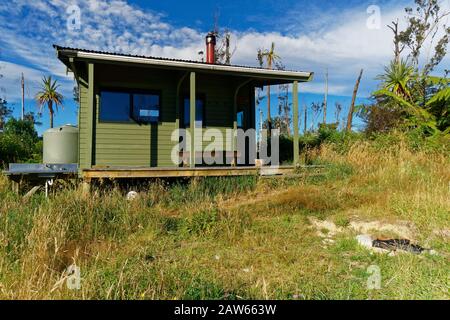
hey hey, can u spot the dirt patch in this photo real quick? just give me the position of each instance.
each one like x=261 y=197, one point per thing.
x=444 y=233
x=401 y=229
x=326 y=228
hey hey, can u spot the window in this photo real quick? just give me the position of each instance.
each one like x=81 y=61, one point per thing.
x=199 y=112
x=240 y=119
x=146 y=107
x=117 y=106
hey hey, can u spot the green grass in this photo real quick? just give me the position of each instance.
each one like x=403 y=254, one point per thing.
x=235 y=238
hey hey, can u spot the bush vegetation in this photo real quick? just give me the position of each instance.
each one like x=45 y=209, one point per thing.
x=236 y=238
x=19 y=142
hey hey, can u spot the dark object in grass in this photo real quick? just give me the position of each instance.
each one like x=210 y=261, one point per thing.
x=398 y=244
x=149 y=257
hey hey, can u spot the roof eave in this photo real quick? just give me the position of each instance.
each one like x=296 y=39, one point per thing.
x=248 y=71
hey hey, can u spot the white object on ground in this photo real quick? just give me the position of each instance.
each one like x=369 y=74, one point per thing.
x=365 y=240
x=132 y=195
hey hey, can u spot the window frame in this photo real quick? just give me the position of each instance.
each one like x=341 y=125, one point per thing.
x=131 y=92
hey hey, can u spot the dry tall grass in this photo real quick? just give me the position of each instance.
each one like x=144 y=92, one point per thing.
x=234 y=238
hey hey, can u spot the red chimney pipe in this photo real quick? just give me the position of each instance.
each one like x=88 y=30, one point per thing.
x=211 y=48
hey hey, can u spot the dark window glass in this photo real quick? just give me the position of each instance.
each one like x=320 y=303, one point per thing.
x=146 y=107
x=199 y=108
x=240 y=119
x=115 y=106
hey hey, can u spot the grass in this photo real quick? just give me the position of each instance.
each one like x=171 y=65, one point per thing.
x=235 y=238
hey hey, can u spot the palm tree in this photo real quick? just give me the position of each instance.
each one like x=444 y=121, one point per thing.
x=50 y=96
x=271 y=58
x=397 y=78
x=400 y=85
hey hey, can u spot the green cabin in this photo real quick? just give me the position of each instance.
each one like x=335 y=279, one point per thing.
x=130 y=107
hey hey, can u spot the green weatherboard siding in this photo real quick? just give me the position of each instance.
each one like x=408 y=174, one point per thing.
x=136 y=145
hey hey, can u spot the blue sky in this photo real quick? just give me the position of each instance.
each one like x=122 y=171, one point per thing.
x=309 y=35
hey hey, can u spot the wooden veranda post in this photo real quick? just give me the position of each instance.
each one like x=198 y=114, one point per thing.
x=295 y=121
x=192 y=120
x=177 y=108
x=234 y=136
x=90 y=117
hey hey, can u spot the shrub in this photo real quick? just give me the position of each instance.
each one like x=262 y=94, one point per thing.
x=19 y=143
x=381 y=118
x=414 y=140
x=327 y=133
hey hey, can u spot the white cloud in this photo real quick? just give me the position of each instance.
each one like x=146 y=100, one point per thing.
x=10 y=83
x=105 y=25
x=340 y=41
x=344 y=47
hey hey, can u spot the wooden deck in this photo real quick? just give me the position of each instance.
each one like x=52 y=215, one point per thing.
x=137 y=172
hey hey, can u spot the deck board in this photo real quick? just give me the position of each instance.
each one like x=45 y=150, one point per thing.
x=169 y=172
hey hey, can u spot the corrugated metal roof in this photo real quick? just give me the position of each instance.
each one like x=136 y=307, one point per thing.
x=79 y=52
